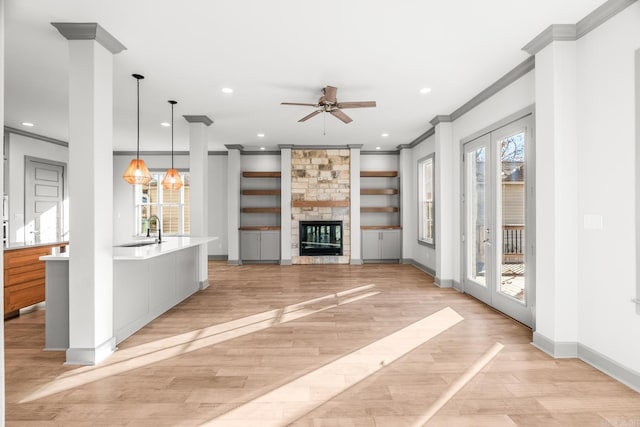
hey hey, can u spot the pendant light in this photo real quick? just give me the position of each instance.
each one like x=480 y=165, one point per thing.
x=172 y=180
x=137 y=172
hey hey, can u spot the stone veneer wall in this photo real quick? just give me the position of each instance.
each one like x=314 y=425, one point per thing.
x=320 y=176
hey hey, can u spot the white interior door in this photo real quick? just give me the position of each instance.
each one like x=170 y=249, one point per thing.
x=44 y=192
x=498 y=213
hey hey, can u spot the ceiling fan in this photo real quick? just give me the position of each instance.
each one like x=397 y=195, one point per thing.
x=328 y=103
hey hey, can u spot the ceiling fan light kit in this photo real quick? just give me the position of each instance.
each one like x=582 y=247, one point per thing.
x=328 y=103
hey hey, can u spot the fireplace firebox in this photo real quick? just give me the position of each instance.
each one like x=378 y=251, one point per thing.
x=320 y=238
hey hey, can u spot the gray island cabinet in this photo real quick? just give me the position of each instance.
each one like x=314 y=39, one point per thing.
x=147 y=281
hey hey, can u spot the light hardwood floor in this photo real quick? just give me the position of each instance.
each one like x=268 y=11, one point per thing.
x=267 y=345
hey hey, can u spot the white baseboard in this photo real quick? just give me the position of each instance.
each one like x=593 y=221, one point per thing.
x=559 y=350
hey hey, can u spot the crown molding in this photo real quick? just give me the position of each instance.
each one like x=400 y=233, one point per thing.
x=89 y=31
x=572 y=32
x=35 y=136
x=234 y=147
x=441 y=119
x=199 y=119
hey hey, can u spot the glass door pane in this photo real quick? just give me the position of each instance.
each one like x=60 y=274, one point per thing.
x=511 y=198
x=477 y=225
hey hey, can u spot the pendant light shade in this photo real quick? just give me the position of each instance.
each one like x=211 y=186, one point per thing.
x=172 y=180
x=137 y=172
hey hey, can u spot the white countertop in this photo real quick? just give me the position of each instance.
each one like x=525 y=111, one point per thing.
x=168 y=245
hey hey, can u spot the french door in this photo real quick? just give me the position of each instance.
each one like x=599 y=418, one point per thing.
x=498 y=219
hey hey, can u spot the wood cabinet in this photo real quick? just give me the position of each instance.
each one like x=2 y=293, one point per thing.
x=24 y=277
x=259 y=245
x=381 y=245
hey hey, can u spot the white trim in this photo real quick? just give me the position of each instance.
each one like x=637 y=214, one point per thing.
x=90 y=356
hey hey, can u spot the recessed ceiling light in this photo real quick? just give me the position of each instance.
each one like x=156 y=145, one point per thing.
x=377 y=148
x=27 y=124
x=261 y=135
x=165 y=124
x=384 y=135
x=262 y=148
x=425 y=90
x=227 y=90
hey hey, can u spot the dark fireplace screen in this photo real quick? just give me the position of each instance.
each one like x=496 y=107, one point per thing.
x=320 y=238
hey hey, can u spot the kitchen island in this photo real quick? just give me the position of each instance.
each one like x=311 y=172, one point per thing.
x=147 y=281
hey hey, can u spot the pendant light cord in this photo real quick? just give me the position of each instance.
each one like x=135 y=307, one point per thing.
x=138 y=145
x=172 y=104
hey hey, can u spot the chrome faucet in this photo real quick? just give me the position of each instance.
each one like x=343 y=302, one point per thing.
x=159 y=239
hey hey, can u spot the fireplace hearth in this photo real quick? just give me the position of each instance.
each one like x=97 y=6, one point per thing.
x=318 y=238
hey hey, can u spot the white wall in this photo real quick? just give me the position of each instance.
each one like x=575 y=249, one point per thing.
x=20 y=146
x=608 y=322
x=425 y=255
x=217 y=210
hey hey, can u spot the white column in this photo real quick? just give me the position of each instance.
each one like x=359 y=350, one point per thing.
x=556 y=269
x=199 y=189
x=285 y=204
x=356 y=253
x=91 y=51
x=233 y=204
x=444 y=201
x=2 y=417
x=407 y=209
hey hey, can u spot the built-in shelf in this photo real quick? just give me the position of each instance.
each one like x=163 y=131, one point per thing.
x=249 y=174
x=383 y=209
x=378 y=191
x=261 y=192
x=260 y=228
x=378 y=174
x=260 y=210
x=380 y=227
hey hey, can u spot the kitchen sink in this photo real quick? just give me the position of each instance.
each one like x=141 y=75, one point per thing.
x=137 y=244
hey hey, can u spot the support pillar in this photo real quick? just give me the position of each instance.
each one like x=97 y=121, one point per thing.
x=354 y=166
x=285 y=204
x=199 y=189
x=233 y=203
x=444 y=200
x=407 y=208
x=91 y=51
x=556 y=268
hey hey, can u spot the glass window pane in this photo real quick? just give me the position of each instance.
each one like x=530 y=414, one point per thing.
x=512 y=271
x=477 y=224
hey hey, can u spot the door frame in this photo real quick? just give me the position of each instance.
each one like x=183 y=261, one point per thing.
x=530 y=260
x=63 y=211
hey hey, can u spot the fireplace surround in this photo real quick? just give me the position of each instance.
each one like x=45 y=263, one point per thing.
x=320 y=238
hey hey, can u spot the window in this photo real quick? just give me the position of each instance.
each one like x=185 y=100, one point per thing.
x=426 y=200
x=171 y=206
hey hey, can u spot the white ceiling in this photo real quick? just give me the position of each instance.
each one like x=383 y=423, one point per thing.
x=274 y=51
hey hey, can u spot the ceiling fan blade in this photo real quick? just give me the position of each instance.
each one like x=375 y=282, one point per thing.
x=308 y=116
x=330 y=94
x=361 y=104
x=298 y=103
x=342 y=116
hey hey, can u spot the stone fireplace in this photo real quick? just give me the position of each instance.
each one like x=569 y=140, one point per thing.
x=320 y=190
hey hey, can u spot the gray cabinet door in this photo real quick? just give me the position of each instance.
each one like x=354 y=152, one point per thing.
x=270 y=245
x=250 y=245
x=370 y=244
x=390 y=244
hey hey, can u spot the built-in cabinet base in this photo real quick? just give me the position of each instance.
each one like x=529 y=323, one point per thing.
x=381 y=245
x=259 y=245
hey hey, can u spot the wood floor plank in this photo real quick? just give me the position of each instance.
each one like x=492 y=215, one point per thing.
x=203 y=378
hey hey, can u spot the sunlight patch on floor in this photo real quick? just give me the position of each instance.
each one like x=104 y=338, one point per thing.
x=293 y=400
x=166 y=348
